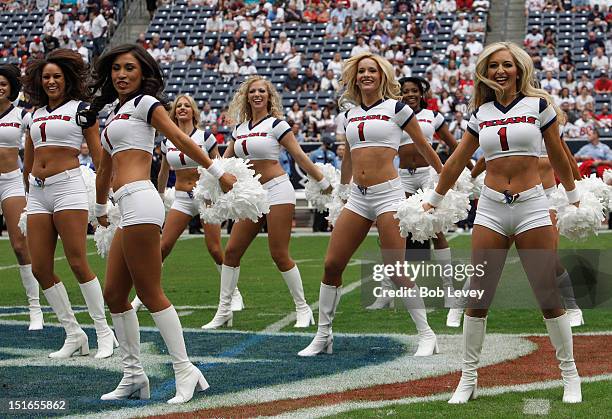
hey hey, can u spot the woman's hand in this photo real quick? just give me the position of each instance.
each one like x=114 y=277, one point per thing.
x=103 y=221
x=227 y=182
x=427 y=206
x=327 y=191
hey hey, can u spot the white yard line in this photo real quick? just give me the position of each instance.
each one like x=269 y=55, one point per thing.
x=3 y=268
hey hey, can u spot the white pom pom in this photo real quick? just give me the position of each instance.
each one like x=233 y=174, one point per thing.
x=607 y=176
x=23 y=223
x=169 y=197
x=596 y=186
x=335 y=207
x=247 y=199
x=464 y=182
x=579 y=223
x=103 y=238
x=89 y=177
x=425 y=225
x=314 y=193
x=211 y=215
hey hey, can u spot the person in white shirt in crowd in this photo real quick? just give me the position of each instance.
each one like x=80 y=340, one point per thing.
x=455 y=45
x=585 y=124
x=62 y=31
x=402 y=69
x=474 y=45
x=584 y=98
x=98 y=30
x=534 y=6
x=383 y=22
x=165 y=55
x=600 y=61
x=182 y=52
x=584 y=82
x=447 y=6
x=435 y=68
x=550 y=62
x=199 y=51
x=461 y=26
x=466 y=68
x=50 y=25
x=458 y=126
x=563 y=97
x=215 y=24
x=339 y=11
x=334 y=27
x=336 y=64
x=293 y=59
x=251 y=47
x=276 y=14
x=54 y=11
x=534 y=38
x=371 y=8
x=207 y=115
x=481 y=5
x=313 y=113
x=394 y=54
x=283 y=46
x=357 y=12
x=316 y=65
x=329 y=82
x=81 y=49
x=434 y=82
x=82 y=27
x=229 y=24
x=247 y=68
x=228 y=67
x=361 y=46
x=431 y=6
x=295 y=113
x=550 y=84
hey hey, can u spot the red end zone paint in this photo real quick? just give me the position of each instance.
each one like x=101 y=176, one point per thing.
x=540 y=365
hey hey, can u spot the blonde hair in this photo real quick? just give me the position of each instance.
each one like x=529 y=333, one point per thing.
x=195 y=112
x=486 y=90
x=240 y=110
x=389 y=87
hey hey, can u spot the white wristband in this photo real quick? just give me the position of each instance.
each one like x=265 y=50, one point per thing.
x=100 y=210
x=323 y=184
x=215 y=169
x=573 y=196
x=434 y=198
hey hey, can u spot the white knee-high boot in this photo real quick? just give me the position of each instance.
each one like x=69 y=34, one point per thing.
x=31 y=288
x=293 y=279
x=384 y=300
x=188 y=377
x=329 y=297
x=134 y=383
x=76 y=339
x=474 y=329
x=237 y=301
x=560 y=333
x=443 y=258
x=453 y=318
x=224 y=316
x=572 y=309
x=428 y=343
x=95 y=305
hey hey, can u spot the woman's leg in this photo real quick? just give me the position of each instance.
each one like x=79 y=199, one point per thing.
x=243 y=233
x=348 y=234
x=72 y=228
x=12 y=208
x=537 y=249
x=175 y=224
x=212 y=238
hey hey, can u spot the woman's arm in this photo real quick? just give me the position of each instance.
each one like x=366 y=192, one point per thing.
x=162 y=177
x=479 y=167
x=92 y=138
x=28 y=161
x=557 y=157
x=423 y=147
x=346 y=168
x=229 y=151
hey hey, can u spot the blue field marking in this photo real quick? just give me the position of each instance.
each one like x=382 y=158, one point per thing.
x=257 y=360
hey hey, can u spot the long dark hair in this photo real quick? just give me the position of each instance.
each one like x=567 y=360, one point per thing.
x=422 y=85
x=13 y=75
x=102 y=84
x=75 y=74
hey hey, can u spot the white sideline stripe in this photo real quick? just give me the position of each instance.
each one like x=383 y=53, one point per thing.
x=318 y=412
x=539 y=407
x=3 y=268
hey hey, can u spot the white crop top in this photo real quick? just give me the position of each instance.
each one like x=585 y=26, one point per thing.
x=514 y=130
x=128 y=127
x=260 y=141
x=178 y=160
x=56 y=127
x=380 y=125
x=429 y=121
x=12 y=127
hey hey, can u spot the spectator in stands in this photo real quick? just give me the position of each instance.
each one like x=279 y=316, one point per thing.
x=66 y=43
x=83 y=26
x=7 y=49
x=50 y=25
x=276 y=14
x=214 y=130
x=431 y=6
x=246 y=67
x=292 y=14
x=466 y=68
x=534 y=39
x=50 y=43
x=458 y=126
x=283 y=46
x=266 y=43
x=108 y=11
x=228 y=68
x=584 y=98
x=62 y=31
x=550 y=84
x=360 y=47
x=312 y=114
x=600 y=62
x=229 y=23
x=591 y=43
x=199 y=51
x=434 y=83
x=151 y=7
x=98 y=31
x=293 y=59
x=310 y=14
x=481 y=5
x=310 y=82
x=165 y=55
x=296 y=129
x=550 y=62
x=339 y=11
x=334 y=27
x=565 y=96
x=296 y=114
x=36 y=48
x=567 y=63
x=534 y=53
x=207 y=115
x=431 y=25
x=371 y=8
x=604 y=118
x=21 y=48
x=326 y=125
x=474 y=45
x=436 y=69
x=477 y=24
x=603 y=84
x=534 y=6
x=570 y=82
x=156 y=41
x=356 y=11
x=211 y=62
x=598 y=25
x=322 y=13
x=215 y=24
x=330 y=82
x=455 y=45
x=182 y=53
x=85 y=158
x=447 y=6
x=464 y=5
x=336 y=64
x=596 y=156
x=461 y=26
x=317 y=66
x=549 y=38
x=585 y=124
x=293 y=83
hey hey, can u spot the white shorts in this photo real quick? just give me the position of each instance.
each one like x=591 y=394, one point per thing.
x=183 y=202
x=280 y=190
x=413 y=180
x=139 y=203
x=371 y=201
x=527 y=210
x=11 y=184
x=64 y=191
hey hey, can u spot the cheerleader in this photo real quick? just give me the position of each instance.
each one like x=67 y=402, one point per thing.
x=258 y=136
x=12 y=192
x=510 y=118
x=57 y=203
x=128 y=73
x=184 y=113
x=373 y=132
